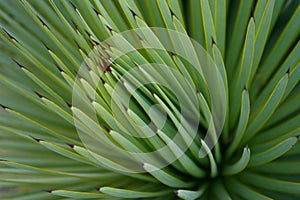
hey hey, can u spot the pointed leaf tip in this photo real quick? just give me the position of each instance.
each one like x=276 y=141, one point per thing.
x=39 y=95
x=71 y=145
x=4 y=107
x=213 y=41
x=9 y=35
x=36 y=139
x=19 y=64
x=46 y=46
x=133 y=13
x=107 y=129
x=42 y=21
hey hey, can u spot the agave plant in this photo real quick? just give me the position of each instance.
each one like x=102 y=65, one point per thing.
x=57 y=85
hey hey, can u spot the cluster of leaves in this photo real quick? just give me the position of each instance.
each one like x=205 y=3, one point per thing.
x=254 y=43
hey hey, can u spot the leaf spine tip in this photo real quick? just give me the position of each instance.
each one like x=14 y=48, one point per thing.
x=102 y=80
x=107 y=129
x=109 y=28
x=42 y=21
x=252 y=14
x=36 y=139
x=47 y=47
x=69 y=104
x=9 y=35
x=4 y=107
x=133 y=13
x=71 y=145
x=172 y=13
x=213 y=41
x=39 y=95
x=20 y=65
x=96 y=11
x=74 y=7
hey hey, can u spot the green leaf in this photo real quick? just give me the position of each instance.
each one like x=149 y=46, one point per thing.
x=187 y=163
x=124 y=193
x=220 y=191
x=242 y=75
x=222 y=69
x=286 y=109
x=195 y=26
x=258 y=119
x=272 y=184
x=281 y=131
x=279 y=167
x=165 y=13
x=237 y=30
x=165 y=177
x=190 y=194
x=77 y=195
x=272 y=153
x=63 y=151
x=244 y=191
x=208 y=23
x=262 y=32
x=285 y=41
x=220 y=16
x=213 y=164
x=242 y=125
x=240 y=165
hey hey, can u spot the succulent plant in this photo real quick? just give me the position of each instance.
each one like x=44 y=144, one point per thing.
x=67 y=134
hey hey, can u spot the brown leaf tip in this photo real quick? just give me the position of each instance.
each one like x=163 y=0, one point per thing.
x=19 y=64
x=133 y=13
x=69 y=104
x=39 y=95
x=109 y=28
x=107 y=129
x=172 y=13
x=213 y=41
x=9 y=35
x=96 y=11
x=4 y=107
x=71 y=145
x=42 y=21
x=47 y=47
x=36 y=139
